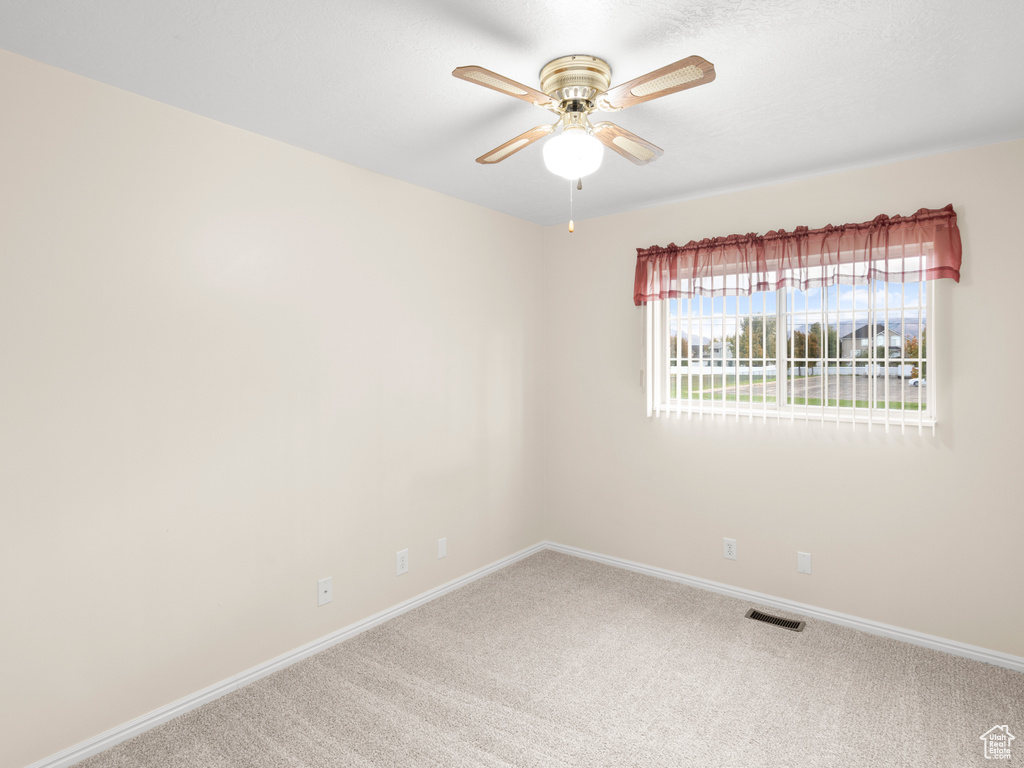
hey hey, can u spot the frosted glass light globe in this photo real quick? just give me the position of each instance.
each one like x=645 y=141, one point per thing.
x=573 y=154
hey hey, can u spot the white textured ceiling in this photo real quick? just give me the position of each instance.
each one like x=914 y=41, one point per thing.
x=803 y=86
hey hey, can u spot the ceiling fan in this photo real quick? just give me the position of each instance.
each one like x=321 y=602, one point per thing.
x=573 y=87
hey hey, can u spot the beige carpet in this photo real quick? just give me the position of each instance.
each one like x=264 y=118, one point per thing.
x=557 y=661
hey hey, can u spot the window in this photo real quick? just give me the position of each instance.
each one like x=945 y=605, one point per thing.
x=828 y=325
x=846 y=353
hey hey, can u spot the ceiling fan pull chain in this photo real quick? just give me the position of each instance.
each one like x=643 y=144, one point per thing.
x=572 y=228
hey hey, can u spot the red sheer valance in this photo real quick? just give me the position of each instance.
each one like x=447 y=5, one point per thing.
x=898 y=249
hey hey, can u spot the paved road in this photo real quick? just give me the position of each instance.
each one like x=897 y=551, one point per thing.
x=899 y=389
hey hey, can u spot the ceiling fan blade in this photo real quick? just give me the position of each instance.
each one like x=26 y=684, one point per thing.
x=685 y=73
x=502 y=84
x=512 y=146
x=626 y=143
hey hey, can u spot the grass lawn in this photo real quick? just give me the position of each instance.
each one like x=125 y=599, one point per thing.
x=855 y=404
x=715 y=383
x=721 y=388
x=732 y=398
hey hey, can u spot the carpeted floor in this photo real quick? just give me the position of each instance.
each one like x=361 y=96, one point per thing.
x=558 y=661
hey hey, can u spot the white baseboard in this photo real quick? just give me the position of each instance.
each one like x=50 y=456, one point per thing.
x=1016 y=663
x=152 y=719
x=115 y=736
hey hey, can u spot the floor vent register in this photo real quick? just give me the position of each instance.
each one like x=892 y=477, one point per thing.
x=778 y=621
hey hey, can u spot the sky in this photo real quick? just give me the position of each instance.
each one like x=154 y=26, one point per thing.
x=846 y=305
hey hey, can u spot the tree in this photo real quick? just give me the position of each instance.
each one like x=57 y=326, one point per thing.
x=832 y=341
x=807 y=346
x=880 y=353
x=917 y=347
x=804 y=346
x=752 y=341
x=679 y=350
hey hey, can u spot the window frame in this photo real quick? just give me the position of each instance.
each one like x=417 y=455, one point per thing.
x=657 y=356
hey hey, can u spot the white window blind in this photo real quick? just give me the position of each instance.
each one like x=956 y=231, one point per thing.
x=829 y=325
x=855 y=355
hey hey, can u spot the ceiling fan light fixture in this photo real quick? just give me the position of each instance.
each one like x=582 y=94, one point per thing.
x=574 y=87
x=573 y=153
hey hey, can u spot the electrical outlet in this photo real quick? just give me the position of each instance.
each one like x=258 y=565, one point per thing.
x=730 y=548
x=402 y=562
x=442 y=546
x=324 y=591
x=803 y=562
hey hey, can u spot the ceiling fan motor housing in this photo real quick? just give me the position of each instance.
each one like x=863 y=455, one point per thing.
x=577 y=79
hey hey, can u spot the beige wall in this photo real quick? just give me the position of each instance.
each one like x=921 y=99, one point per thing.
x=229 y=368
x=215 y=391
x=934 y=549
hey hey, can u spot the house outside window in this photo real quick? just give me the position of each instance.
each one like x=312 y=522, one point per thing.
x=857 y=340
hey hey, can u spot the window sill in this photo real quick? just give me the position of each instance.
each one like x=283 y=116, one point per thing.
x=798 y=415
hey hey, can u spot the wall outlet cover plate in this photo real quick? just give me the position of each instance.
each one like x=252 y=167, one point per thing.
x=324 y=591
x=803 y=562
x=729 y=548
